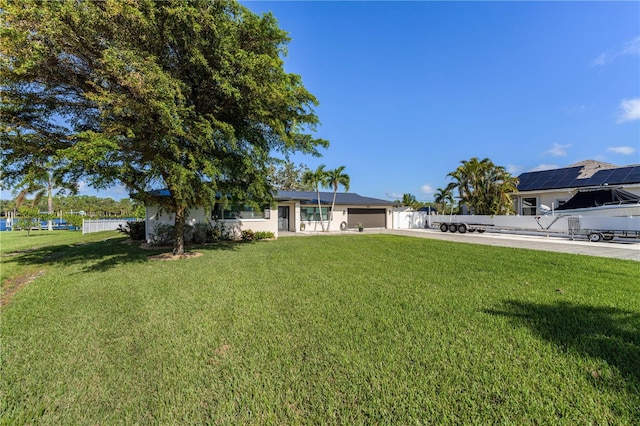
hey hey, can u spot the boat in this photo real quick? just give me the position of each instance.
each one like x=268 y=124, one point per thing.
x=599 y=201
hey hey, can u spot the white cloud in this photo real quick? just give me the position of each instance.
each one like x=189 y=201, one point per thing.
x=541 y=167
x=603 y=59
x=558 y=150
x=575 y=109
x=624 y=150
x=630 y=110
x=631 y=47
x=427 y=189
x=513 y=169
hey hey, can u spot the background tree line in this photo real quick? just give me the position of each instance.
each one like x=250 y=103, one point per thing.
x=91 y=205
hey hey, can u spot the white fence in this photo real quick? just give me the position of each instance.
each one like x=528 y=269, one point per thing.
x=98 y=225
x=414 y=220
x=558 y=224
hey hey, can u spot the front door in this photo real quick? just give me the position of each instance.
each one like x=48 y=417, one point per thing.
x=283 y=218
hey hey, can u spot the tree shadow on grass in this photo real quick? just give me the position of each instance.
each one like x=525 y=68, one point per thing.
x=605 y=333
x=96 y=256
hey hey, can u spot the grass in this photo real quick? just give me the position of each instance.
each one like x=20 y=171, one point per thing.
x=320 y=330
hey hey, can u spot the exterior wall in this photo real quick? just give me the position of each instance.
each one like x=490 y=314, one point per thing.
x=339 y=216
x=156 y=216
x=553 y=198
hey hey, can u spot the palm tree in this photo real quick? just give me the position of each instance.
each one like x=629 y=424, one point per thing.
x=38 y=189
x=444 y=196
x=408 y=200
x=483 y=186
x=333 y=179
x=41 y=182
x=315 y=179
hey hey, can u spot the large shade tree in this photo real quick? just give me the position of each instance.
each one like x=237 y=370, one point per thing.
x=483 y=186
x=191 y=96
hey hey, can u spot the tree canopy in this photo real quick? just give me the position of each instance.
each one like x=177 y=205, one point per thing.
x=288 y=177
x=485 y=187
x=191 y=96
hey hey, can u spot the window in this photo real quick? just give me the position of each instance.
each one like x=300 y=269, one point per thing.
x=235 y=211
x=529 y=206
x=312 y=214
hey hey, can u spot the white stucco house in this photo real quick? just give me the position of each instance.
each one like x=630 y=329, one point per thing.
x=295 y=211
x=555 y=187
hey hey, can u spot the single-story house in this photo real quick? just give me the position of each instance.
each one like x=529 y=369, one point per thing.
x=553 y=188
x=295 y=211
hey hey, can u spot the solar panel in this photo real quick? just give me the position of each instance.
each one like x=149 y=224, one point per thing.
x=598 y=178
x=530 y=183
x=565 y=182
x=547 y=182
x=568 y=178
x=619 y=176
x=633 y=176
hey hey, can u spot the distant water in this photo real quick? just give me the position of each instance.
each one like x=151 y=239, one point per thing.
x=57 y=224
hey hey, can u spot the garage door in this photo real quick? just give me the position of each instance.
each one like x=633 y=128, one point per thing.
x=370 y=218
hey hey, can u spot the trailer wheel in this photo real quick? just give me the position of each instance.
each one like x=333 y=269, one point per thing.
x=444 y=227
x=462 y=228
x=472 y=229
x=480 y=231
x=453 y=227
x=595 y=237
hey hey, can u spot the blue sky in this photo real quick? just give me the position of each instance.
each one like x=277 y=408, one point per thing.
x=407 y=90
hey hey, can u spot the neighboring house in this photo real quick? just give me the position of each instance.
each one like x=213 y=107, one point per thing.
x=295 y=210
x=555 y=187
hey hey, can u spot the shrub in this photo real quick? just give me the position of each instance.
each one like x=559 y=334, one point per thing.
x=162 y=234
x=136 y=230
x=188 y=233
x=263 y=235
x=202 y=233
x=248 y=235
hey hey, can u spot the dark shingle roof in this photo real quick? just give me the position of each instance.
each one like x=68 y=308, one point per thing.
x=309 y=197
x=574 y=177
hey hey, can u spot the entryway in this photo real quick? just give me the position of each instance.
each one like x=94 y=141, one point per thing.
x=283 y=218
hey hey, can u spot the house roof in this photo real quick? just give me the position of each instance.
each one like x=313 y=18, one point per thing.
x=308 y=197
x=584 y=174
x=350 y=198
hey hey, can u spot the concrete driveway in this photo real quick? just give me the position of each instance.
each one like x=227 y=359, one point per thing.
x=618 y=248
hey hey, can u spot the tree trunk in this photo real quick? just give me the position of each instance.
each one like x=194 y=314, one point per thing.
x=320 y=210
x=178 y=244
x=333 y=206
x=50 y=207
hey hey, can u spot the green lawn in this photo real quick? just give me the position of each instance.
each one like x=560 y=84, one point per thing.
x=317 y=330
